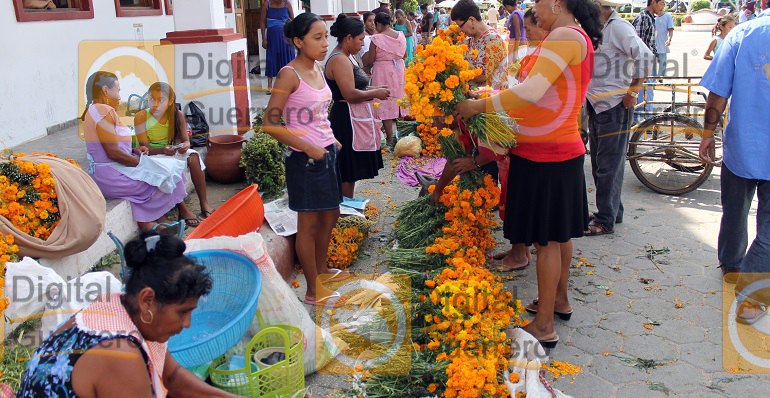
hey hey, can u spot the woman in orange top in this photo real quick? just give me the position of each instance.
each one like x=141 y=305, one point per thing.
x=551 y=206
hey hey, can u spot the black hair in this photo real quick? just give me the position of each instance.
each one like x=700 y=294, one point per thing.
x=165 y=269
x=299 y=26
x=511 y=3
x=424 y=6
x=588 y=15
x=171 y=112
x=531 y=15
x=411 y=14
x=465 y=9
x=345 y=26
x=94 y=87
x=367 y=15
x=382 y=18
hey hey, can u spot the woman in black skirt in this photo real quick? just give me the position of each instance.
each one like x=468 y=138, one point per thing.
x=549 y=206
x=349 y=83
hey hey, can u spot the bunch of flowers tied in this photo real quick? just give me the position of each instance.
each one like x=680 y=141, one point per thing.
x=437 y=81
x=348 y=235
x=28 y=196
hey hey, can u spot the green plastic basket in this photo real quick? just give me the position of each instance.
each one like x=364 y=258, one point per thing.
x=283 y=379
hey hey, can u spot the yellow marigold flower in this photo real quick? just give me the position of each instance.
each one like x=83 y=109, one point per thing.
x=377 y=104
x=474 y=53
x=432 y=387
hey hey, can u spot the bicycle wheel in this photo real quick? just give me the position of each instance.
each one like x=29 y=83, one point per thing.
x=663 y=154
x=697 y=112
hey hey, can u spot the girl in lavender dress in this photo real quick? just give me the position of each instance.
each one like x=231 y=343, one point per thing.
x=108 y=146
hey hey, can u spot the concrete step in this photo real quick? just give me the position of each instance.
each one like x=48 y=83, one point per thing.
x=119 y=220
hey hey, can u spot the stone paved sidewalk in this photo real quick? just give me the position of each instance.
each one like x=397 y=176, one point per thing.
x=606 y=332
x=623 y=290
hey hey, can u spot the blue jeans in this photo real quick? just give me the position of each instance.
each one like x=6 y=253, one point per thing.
x=659 y=66
x=754 y=264
x=737 y=194
x=608 y=133
x=645 y=95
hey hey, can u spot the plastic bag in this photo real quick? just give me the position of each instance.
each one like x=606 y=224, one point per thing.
x=39 y=292
x=527 y=358
x=277 y=302
x=408 y=146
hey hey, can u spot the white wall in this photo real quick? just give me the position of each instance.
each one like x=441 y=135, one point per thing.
x=39 y=65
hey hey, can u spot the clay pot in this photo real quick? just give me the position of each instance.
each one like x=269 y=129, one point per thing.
x=224 y=157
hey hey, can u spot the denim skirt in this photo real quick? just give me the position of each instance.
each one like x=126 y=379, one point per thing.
x=313 y=185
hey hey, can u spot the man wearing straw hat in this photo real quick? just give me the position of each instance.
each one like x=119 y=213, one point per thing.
x=382 y=8
x=622 y=62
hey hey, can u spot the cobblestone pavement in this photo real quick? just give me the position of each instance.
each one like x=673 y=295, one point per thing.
x=681 y=352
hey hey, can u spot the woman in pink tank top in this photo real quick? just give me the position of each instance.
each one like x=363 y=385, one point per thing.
x=302 y=97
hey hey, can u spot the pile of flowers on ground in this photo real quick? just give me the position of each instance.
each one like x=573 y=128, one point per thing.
x=28 y=195
x=462 y=310
x=347 y=236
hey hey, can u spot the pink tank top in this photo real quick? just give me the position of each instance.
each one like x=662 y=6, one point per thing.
x=307 y=113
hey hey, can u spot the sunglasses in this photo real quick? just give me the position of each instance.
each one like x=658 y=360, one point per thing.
x=463 y=24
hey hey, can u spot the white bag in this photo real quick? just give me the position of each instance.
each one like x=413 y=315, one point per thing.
x=527 y=357
x=39 y=292
x=76 y=295
x=277 y=302
x=26 y=283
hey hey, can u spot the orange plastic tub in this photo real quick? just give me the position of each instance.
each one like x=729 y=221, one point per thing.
x=242 y=214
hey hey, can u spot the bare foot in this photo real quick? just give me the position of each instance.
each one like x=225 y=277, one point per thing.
x=501 y=255
x=511 y=263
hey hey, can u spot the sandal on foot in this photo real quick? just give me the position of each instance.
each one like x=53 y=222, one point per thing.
x=532 y=309
x=204 y=214
x=549 y=343
x=169 y=229
x=596 y=229
x=191 y=222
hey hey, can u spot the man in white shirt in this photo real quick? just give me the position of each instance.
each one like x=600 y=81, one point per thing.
x=622 y=62
x=492 y=16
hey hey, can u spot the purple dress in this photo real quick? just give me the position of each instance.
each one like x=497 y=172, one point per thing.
x=148 y=203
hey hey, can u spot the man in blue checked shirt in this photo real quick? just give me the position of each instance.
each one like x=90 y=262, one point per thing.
x=740 y=72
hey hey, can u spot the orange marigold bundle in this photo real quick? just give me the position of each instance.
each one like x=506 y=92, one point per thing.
x=28 y=196
x=347 y=236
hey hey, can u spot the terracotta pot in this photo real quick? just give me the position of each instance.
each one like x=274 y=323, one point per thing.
x=224 y=157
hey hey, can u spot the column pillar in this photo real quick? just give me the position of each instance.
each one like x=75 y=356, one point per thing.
x=199 y=14
x=210 y=65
